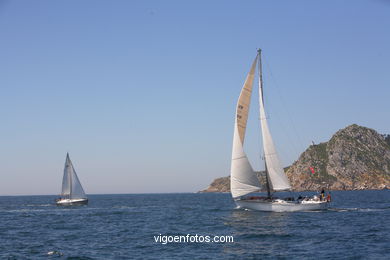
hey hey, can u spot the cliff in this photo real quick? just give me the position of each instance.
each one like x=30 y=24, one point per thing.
x=355 y=157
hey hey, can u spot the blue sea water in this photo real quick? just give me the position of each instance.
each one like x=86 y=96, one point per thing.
x=124 y=226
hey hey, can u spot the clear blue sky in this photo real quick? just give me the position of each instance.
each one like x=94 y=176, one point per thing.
x=142 y=94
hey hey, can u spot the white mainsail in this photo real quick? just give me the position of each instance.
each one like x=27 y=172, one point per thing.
x=277 y=177
x=71 y=186
x=243 y=179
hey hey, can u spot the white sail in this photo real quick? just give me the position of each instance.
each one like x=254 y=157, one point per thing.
x=71 y=186
x=277 y=177
x=66 y=179
x=243 y=179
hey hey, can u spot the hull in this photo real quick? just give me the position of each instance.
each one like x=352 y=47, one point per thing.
x=282 y=206
x=71 y=202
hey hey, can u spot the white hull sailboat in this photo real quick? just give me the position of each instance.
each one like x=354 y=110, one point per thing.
x=72 y=191
x=243 y=179
x=280 y=205
x=69 y=202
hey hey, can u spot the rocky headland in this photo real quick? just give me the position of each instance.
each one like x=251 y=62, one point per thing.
x=355 y=158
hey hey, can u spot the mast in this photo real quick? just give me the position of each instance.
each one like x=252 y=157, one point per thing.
x=70 y=176
x=262 y=96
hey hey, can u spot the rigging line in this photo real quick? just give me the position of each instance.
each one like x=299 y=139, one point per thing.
x=289 y=115
x=288 y=149
x=292 y=148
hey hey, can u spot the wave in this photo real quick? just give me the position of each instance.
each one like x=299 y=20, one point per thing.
x=55 y=253
x=23 y=210
x=358 y=209
x=40 y=205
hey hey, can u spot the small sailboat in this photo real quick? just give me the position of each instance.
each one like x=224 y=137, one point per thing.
x=243 y=179
x=72 y=191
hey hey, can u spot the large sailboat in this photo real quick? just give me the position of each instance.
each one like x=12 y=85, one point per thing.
x=243 y=179
x=72 y=191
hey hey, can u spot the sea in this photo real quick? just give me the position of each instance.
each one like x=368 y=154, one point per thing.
x=175 y=226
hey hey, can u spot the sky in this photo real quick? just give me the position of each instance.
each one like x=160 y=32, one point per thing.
x=142 y=94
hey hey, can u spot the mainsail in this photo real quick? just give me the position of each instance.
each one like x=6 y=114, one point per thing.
x=243 y=179
x=274 y=169
x=71 y=186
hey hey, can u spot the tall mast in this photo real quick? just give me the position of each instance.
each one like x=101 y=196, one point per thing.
x=262 y=97
x=69 y=176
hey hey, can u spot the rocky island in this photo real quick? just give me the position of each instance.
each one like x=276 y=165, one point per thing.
x=355 y=158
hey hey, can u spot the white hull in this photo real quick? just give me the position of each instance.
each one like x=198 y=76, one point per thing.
x=282 y=206
x=69 y=202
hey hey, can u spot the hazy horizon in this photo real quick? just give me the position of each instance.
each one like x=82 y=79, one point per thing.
x=142 y=94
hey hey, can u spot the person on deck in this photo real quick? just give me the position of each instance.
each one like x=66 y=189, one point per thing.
x=328 y=198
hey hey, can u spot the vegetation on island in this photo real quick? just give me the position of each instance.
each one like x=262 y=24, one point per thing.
x=356 y=157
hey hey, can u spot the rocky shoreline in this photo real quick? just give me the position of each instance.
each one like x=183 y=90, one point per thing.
x=355 y=158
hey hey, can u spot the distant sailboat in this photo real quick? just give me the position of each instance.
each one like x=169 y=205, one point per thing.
x=72 y=191
x=243 y=179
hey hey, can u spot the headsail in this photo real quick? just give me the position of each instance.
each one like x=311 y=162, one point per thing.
x=278 y=179
x=243 y=179
x=71 y=186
